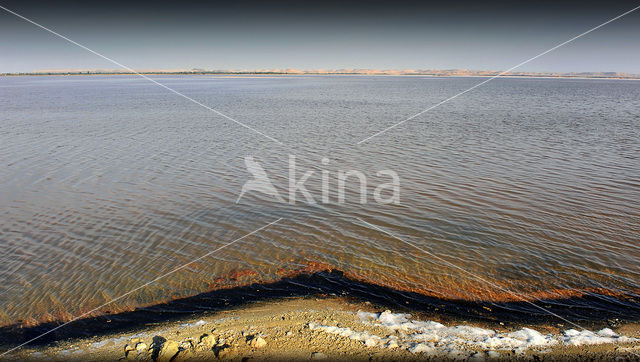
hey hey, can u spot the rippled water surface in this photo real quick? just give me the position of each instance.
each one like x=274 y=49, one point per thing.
x=108 y=182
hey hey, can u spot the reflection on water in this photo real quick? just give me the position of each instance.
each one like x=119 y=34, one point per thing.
x=110 y=181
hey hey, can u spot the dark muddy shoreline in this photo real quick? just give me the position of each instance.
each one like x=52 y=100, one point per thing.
x=591 y=311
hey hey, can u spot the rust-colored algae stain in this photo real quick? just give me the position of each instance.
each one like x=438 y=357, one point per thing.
x=481 y=292
x=310 y=268
x=240 y=273
x=449 y=288
x=452 y=289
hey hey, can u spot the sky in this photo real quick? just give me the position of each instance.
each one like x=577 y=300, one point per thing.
x=250 y=35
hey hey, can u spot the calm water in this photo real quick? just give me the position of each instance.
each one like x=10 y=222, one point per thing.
x=108 y=182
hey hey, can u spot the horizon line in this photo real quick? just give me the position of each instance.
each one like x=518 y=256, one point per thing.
x=341 y=71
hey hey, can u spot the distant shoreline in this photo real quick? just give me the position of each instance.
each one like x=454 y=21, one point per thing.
x=453 y=73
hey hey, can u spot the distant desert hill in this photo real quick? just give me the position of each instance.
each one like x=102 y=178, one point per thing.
x=424 y=72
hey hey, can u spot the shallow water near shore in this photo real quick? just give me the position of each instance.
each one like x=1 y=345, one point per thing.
x=111 y=181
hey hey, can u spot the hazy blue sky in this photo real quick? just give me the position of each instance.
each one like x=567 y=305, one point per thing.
x=327 y=35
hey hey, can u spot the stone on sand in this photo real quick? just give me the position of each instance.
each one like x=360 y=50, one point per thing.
x=207 y=340
x=168 y=351
x=141 y=347
x=187 y=344
x=257 y=342
x=131 y=346
x=318 y=355
x=226 y=352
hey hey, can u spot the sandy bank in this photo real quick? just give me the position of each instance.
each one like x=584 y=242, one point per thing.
x=311 y=328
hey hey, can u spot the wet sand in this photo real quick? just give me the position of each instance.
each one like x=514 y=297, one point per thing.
x=292 y=329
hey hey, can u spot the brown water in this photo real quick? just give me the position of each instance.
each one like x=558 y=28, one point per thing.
x=108 y=182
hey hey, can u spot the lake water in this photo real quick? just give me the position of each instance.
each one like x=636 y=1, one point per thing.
x=530 y=186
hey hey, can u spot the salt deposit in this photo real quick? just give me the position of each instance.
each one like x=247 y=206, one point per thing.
x=194 y=324
x=434 y=338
